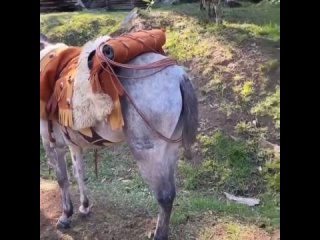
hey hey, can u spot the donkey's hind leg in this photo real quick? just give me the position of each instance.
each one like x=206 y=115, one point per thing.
x=79 y=171
x=157 y=165
x=57 y=157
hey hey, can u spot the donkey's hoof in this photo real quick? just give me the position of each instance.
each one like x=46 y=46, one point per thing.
x=160 y=237
x=63 y=224
x=84 y=211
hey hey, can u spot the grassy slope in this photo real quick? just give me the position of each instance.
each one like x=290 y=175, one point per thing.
x=235 y=69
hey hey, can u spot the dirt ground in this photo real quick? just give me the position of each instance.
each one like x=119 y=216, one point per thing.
x=104 y=222
x=109 y=222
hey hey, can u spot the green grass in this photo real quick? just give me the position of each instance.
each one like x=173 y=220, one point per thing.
x=181 y=44
x=272 y=174
x=194 y=204
x=270 y=66
x=78 y=28
x=270 y=106
x=253 y=20
x=249 y=130
x=230 y=165
x=259 y=21
x=44 y=170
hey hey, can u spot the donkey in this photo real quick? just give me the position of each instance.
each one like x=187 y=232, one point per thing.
x=168 y=101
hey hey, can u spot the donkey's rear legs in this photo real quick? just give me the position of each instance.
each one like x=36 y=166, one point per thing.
x=57 y=157
x=165 y=194
x=79 y=171
x=157 y=167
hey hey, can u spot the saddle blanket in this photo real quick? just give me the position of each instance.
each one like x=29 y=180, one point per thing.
x=79 y=95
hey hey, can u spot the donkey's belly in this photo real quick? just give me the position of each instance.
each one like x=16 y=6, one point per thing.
x=105 y=131
x=100 y=135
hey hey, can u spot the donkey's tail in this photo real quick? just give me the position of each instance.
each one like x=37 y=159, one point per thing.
x=189 y=113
